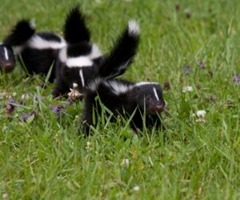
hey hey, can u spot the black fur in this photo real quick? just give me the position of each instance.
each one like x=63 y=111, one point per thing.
x=75 y=29
x=34 y=58
x=77 y=36
x=49 y=36
x=7 y=58
x=107 y=67
x=138 y=101
x=121 y=56
x=37 y=61
x=66 y=77
x=20 y=34
x=79 y=49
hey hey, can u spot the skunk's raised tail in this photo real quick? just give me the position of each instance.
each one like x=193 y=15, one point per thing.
x=122 y=53
x=20 y=33
x=75 y=30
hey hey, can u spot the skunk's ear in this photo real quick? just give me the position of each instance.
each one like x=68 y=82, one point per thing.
x=75 y=29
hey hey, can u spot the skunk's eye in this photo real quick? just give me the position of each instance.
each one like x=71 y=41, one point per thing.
x=148 y=98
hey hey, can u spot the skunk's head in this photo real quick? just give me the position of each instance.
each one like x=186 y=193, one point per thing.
x=149 y=97
x=79 y=64
x=7 y=59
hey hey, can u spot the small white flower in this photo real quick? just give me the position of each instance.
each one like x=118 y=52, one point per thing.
x=24 y=96
x=136 y=188
x=75 y=85
x=88 y=144
x=5 y=196
x=74 y=94
x=201 y=113
x=187 y=89
x=125 y=162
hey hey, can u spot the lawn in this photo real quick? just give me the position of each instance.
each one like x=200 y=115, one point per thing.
x=191 y=47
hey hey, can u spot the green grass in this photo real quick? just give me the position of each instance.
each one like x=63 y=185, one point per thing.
x=44 y=158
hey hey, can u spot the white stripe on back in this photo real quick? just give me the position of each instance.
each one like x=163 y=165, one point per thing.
x=82 y=61
x=145 y=83
x=39 y=43
x=117 y=87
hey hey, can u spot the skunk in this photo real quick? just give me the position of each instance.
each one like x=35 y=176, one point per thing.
x=36 y=51
x=76 y=64
x=78 y=55
x=141 y=102
x=83 y=62
x=7 y=58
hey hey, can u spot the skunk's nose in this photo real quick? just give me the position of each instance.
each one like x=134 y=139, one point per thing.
x=8 y=67
x=160 y=108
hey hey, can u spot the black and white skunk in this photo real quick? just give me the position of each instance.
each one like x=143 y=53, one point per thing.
x=7 y=58
x=141 y=102
x=79 y=54
x=36 y=51
x=83 y=62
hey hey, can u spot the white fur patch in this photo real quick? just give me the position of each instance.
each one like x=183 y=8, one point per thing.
x=94 y=84
x=133 y=28
x=82 y=61
x=63 y=55
x=118 y=88
x=75 y=85
x=32 y=24
x=6 y=53
x=155 y=93
x=37 y=42
x=145 y=83
x=95 y=53
x=82 y=77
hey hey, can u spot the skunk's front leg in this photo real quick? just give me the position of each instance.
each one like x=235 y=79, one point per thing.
x=60 y=89
x=88 y=115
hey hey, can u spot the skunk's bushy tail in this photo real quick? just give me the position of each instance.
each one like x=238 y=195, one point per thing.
x=20 y=33
x=75 y=30
x=122 y=53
